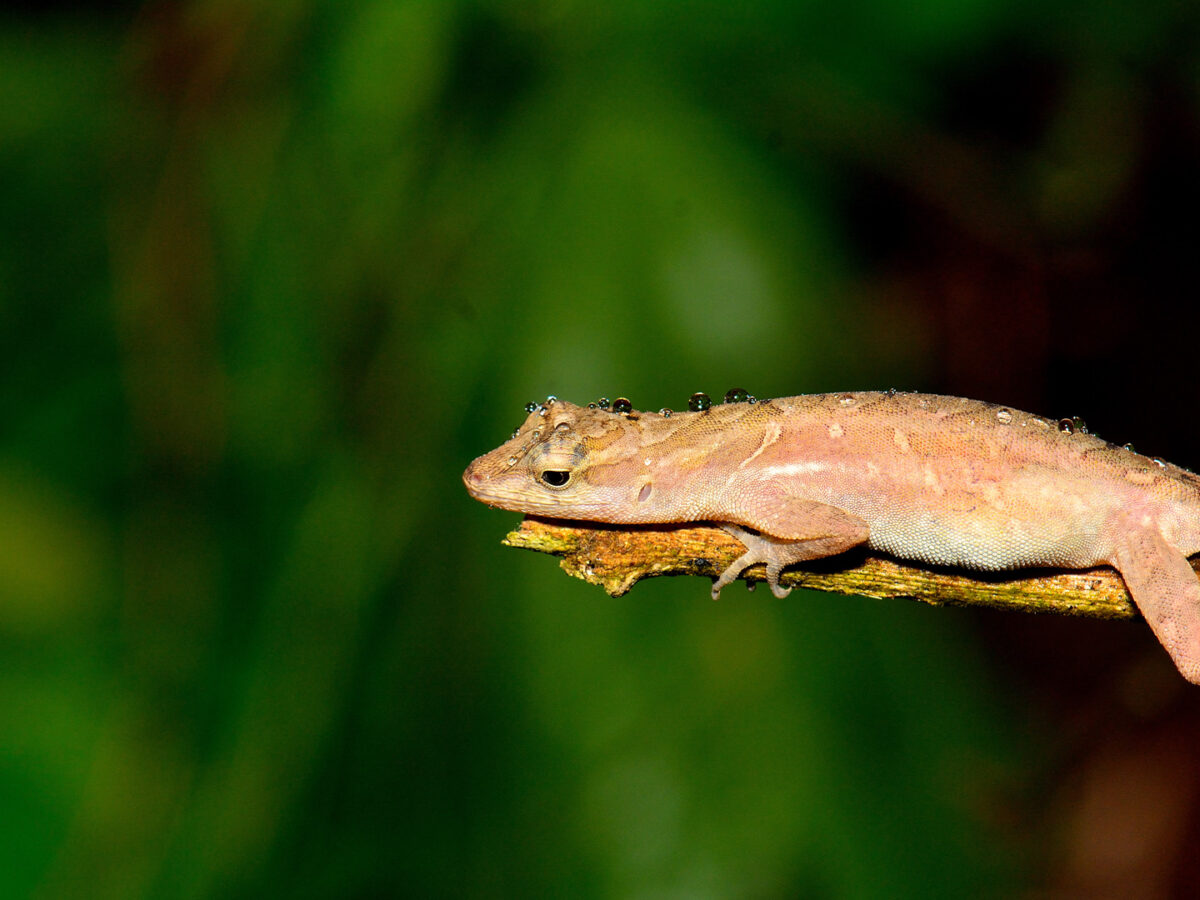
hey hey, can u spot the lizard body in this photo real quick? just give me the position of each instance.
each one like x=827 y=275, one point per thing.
x=941 y=480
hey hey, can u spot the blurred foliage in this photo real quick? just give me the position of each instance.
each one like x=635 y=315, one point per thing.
x=272 y=273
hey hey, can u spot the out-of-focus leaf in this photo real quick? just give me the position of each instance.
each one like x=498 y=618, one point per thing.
x=52 y=571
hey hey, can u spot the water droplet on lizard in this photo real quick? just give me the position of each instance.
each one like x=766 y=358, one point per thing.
x=530 y=406
x=622 y=405
x=1066 y=426
x=1080 y=425
x=604 y=403
x=1161 y=463
x=551 y=399
x=1004 y=416
x=699 y=402
x=666 y=413
x=737 y=395
x=846 y=399
x=1128 y=447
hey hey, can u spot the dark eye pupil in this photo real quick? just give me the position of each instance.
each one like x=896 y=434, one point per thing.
x=555 y=477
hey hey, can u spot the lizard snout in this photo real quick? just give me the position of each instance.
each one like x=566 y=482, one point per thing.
x=473 y=478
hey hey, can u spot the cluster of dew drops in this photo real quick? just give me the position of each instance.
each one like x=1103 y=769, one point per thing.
x=698 y=402
x=1076 y=425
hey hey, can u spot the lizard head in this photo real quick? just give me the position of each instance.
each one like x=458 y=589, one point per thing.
x=565 y=461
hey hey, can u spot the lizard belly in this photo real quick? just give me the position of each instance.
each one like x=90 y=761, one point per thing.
x=995 y=524
x=987 y=542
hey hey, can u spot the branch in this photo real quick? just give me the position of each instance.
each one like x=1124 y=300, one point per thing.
x=616 y=558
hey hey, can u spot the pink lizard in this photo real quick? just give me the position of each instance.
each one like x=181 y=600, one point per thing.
x=941 y=480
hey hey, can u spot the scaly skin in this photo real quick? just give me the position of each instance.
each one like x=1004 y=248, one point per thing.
x=936 y=479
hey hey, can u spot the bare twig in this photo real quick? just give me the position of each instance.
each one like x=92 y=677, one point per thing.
x=616 y=558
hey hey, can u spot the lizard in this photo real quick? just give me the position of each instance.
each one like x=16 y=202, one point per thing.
x=928 y=478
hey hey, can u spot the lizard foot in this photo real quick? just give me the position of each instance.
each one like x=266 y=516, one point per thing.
x=759 y=549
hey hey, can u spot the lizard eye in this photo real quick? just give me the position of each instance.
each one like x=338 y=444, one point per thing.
x=556 y=478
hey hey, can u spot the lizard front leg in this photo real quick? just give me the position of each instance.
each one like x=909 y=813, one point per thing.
x=800 y=530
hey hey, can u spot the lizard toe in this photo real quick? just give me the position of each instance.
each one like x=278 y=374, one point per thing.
x=774 y=570
x=735 y=568
x=730 y=575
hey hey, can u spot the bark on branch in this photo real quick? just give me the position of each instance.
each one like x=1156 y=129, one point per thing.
x=616 y=558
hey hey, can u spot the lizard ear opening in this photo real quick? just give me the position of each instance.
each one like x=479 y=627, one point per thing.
x=555 y=478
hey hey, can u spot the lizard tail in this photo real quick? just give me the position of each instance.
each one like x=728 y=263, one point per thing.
x=1167 y=592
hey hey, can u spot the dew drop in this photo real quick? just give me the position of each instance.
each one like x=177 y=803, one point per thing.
x=530 y=406
x=604 y=403
x=891 y=392
x=666 y=413
x=592 y=405
x=514 y=434
x=512 y=460
x=1128 y=447
x=846 y=399
x=1066 y=426
x=551 y=399
x=699 y=402
x=737 y=395
x=1080 y=425
x=622 y=405
x=562 y=426
x=1004 y=416
x=1161 y=463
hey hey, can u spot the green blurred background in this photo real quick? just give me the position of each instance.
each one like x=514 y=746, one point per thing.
x=272 y=273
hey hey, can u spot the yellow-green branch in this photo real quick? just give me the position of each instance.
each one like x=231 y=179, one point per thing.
x=616 y=558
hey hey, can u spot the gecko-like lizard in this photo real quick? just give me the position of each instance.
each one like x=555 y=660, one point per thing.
x=941 y=480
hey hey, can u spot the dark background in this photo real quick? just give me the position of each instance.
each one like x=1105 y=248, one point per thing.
x=272 y=273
